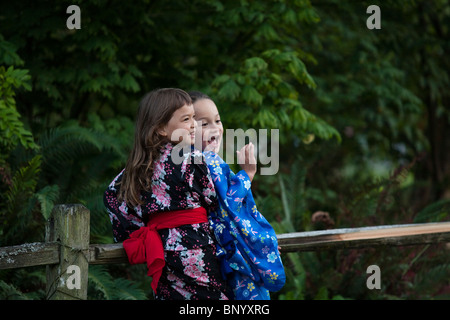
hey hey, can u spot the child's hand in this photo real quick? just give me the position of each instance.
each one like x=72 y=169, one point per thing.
x=247 y=160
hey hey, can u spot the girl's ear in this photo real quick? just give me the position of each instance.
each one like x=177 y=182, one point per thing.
x=162 y=131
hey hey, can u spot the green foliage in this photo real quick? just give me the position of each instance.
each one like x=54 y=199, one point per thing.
x=47 y=197
x=17 y=203
x=23 y=284
x=263 y=98
x=435 y=212
x=341 y=274
x=9 y=292
x=12 y=129
x=103 y=286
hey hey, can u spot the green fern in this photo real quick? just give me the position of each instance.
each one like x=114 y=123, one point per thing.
x=103 y=285
x=437 y=275
x=100 y=281
x=18 y=202
x=23 y=183
x=74 y=158
x=128 y=290
x=434 y=212
x=9 y=292
x=47 y=197
x=296 y=286
x=63 y=144
x=91 y=195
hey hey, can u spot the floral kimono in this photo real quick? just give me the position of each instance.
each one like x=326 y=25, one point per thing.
x=192 y=270
x=248 y=246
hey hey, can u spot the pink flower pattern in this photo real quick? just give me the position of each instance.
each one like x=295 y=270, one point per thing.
x=192 y=270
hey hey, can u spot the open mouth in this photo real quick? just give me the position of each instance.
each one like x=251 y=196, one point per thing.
x=213 y=142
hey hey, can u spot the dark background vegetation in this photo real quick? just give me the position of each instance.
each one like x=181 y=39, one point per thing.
x=364 y=122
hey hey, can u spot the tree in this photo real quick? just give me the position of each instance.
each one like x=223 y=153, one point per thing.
x=383 y=89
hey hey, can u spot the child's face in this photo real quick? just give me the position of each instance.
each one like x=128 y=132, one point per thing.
x=181 y=127
x=208 y=118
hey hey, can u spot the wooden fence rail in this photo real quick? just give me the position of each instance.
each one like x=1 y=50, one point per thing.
x=67 y=245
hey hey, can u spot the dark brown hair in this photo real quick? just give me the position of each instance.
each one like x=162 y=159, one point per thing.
x=197 y=96
x=155 y=111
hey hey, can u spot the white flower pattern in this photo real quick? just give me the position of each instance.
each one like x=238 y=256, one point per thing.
x=191 y=267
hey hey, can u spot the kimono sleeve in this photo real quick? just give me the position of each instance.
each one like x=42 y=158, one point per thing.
x=201 y=183
x=123 y=221
x=233 y=187
x=255 y=240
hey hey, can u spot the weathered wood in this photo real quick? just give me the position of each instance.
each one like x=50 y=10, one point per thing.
x=393 y=235
x=42 y=253
x=69 y=226
x=34 y=254
x=28 y=255
x=107 y=253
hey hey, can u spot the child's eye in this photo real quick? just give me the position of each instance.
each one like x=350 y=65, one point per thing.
x=204 y=124
x=217 y=121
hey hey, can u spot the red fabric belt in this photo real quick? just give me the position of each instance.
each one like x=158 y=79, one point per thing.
x=145 y=245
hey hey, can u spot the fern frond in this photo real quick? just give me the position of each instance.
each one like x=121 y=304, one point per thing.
x=434 y=212
x=19 y=201
x=9 y=292
x=439 y=274
x=57 y=140
x=101 y=281
x=91 y=195
x=23 y=184
x=46 y=198
x=128 y=290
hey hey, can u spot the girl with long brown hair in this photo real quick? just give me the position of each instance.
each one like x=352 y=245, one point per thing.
x=158 y=204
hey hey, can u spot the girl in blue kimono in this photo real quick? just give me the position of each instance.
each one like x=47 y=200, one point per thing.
x=247 y=243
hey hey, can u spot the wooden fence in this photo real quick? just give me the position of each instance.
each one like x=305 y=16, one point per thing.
x=67 y=245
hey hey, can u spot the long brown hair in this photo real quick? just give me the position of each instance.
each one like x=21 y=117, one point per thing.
x=155 y=111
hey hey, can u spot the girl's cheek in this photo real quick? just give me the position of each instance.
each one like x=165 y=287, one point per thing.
x=204 y=137
x=204 y=143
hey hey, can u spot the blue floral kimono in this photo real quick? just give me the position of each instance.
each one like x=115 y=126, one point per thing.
x=247 y=244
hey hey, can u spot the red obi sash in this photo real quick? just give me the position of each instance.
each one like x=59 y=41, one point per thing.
x=145 y=245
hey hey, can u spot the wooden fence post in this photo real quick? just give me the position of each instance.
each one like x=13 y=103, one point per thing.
x=69 y=226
